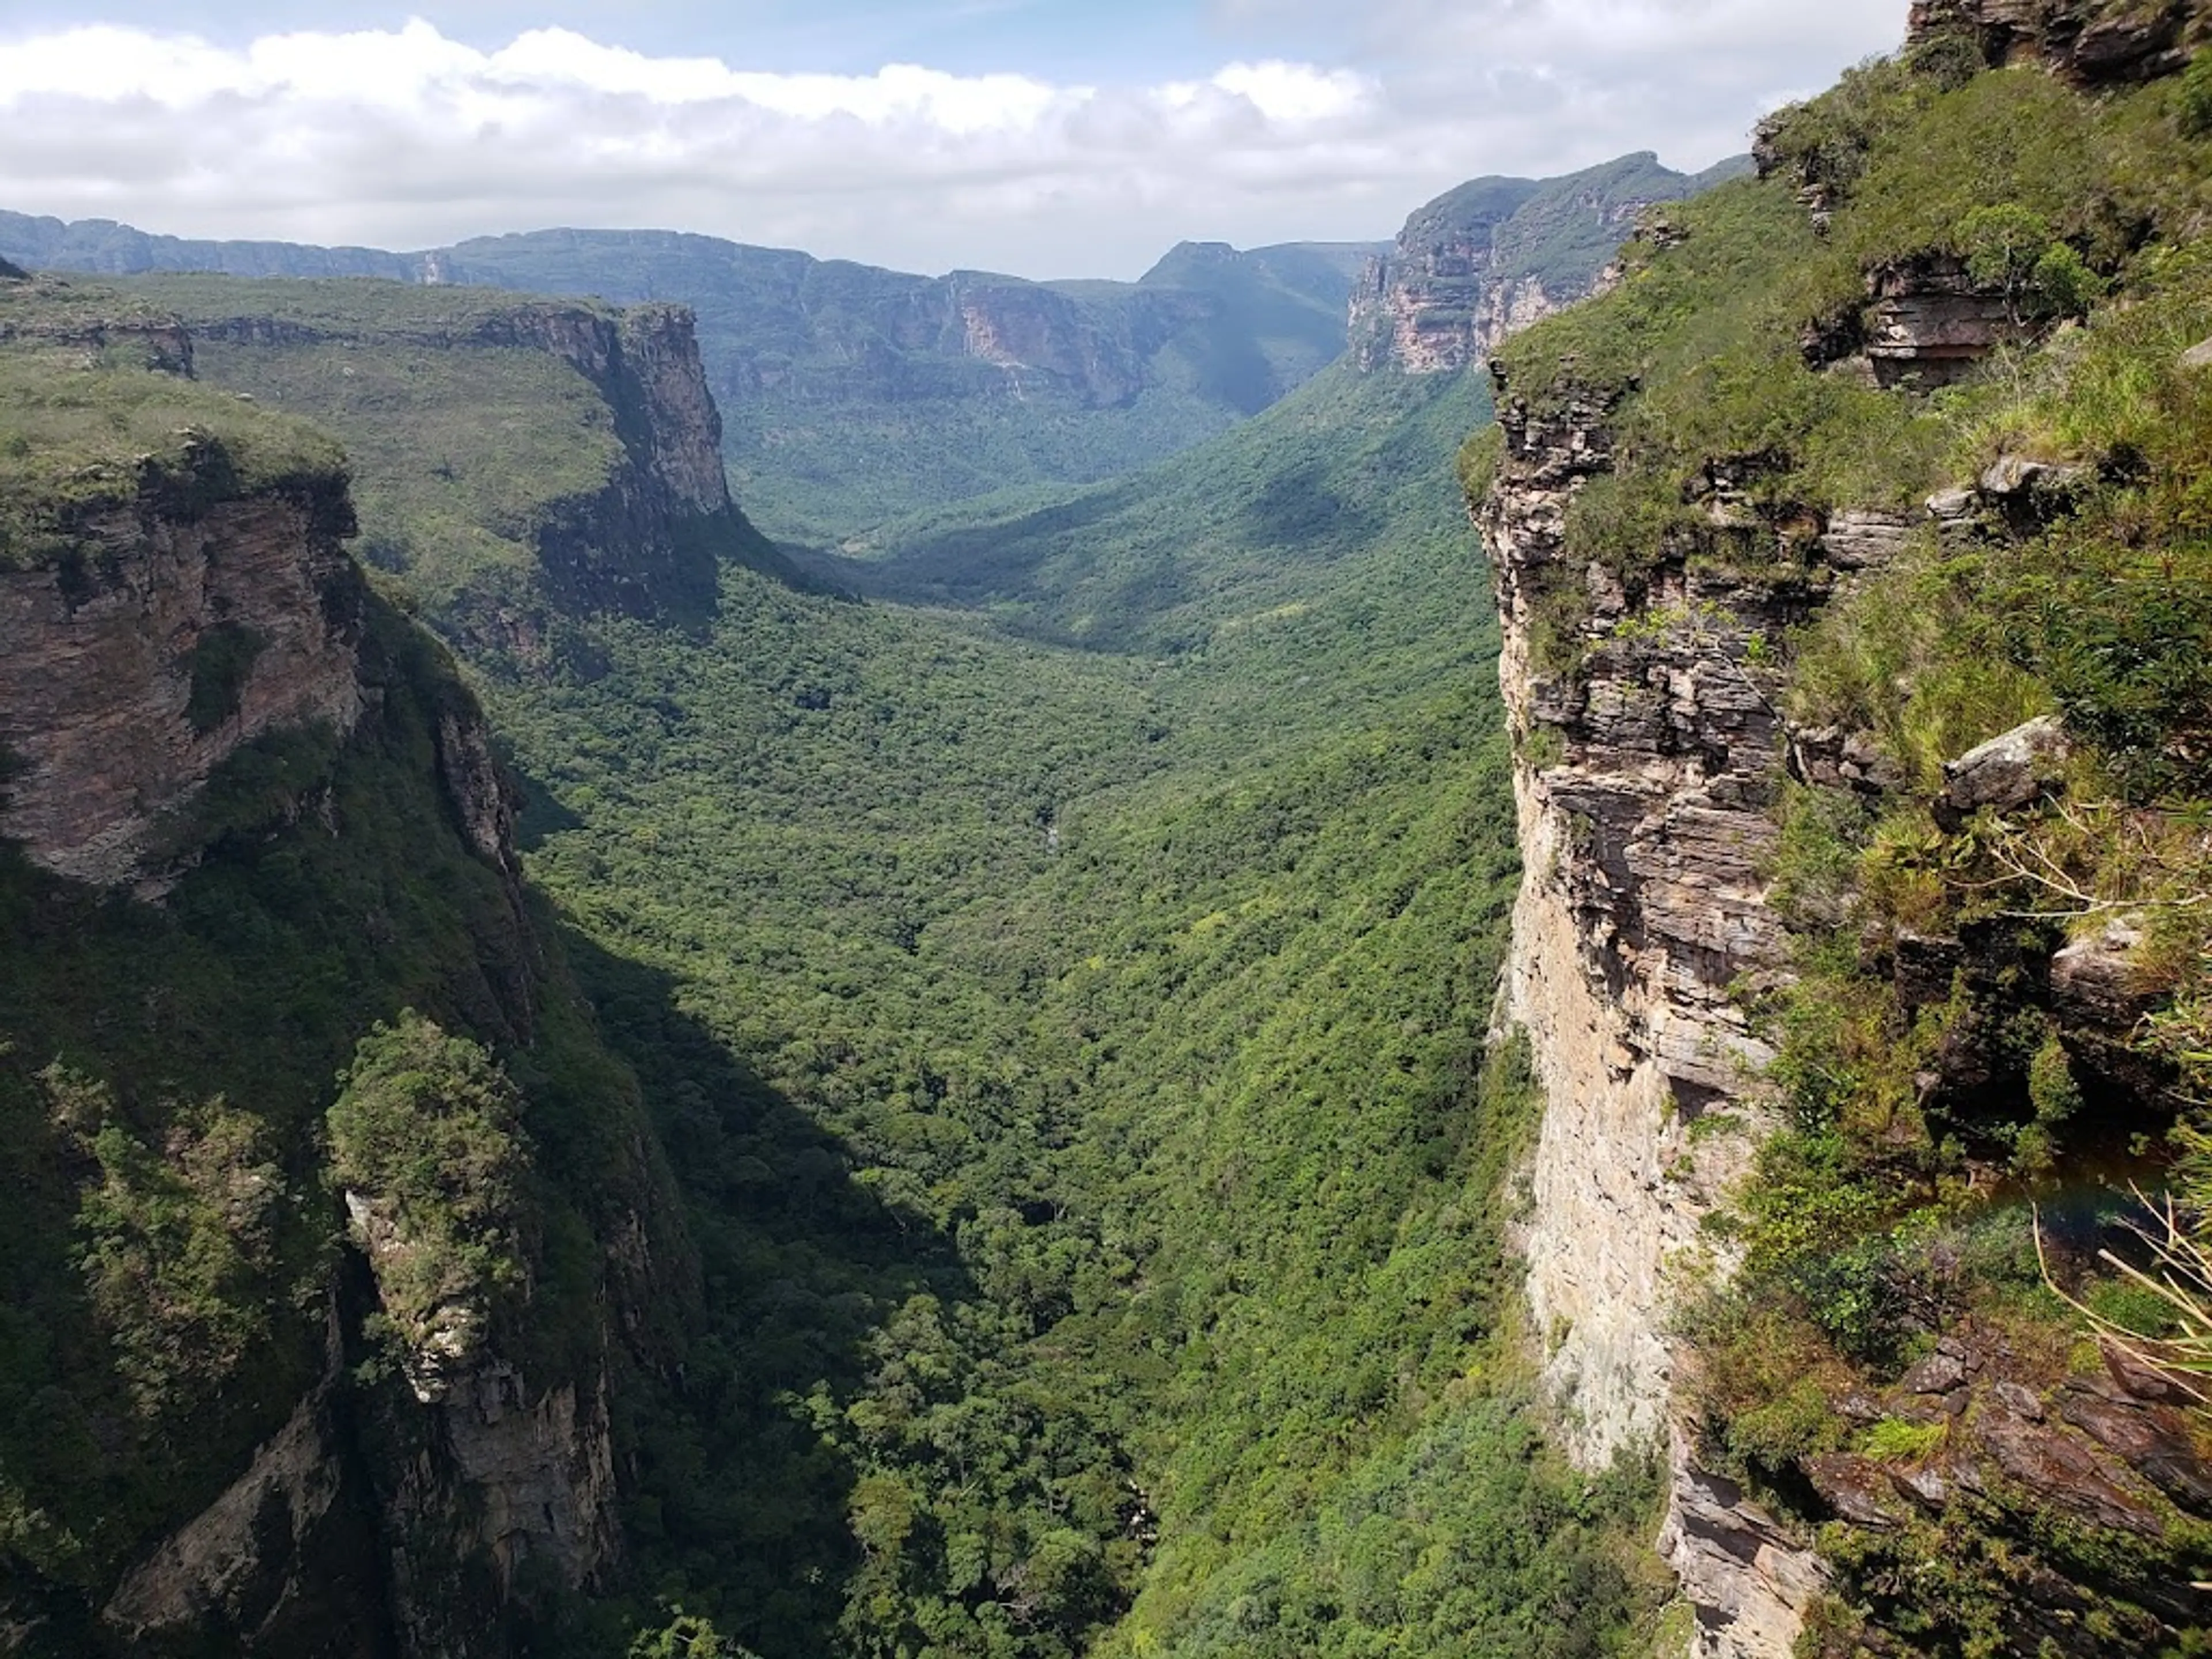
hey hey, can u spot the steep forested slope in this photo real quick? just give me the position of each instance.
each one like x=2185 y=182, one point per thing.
x=254 y=1396
x=1072 y=1059
x=1072 y=1062
x=1857 y=611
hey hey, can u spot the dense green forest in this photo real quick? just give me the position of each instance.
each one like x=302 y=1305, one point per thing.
x=1151 y=1285
x=993 y=1056
x=1056 y=972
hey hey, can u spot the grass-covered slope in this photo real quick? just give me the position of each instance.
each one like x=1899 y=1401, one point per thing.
x=1258 y=521
x=516 y=460
x=1943 y=1063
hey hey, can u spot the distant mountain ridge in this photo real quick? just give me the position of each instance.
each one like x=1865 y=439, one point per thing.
x=852 y=393
x=854 y=397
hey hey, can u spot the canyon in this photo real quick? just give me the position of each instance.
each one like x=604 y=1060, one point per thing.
x=1135 y=1069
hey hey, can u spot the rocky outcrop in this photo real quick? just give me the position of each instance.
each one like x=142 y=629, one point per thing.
x=2101 y=1463
x=1430 y=310
x=2005 y=773
x=1649 y=745
x=285 y=1561
x=2090 y=42
x=155 y=339
x=648 y=543
x=176 y=630
x=538 y=1467
x=1928 y=324
x=1492 y=257
x=1925 y=323
x=376 y=1523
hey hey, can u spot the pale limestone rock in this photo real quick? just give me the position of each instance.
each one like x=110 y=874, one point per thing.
x=1642 y=906
x=2007 y=773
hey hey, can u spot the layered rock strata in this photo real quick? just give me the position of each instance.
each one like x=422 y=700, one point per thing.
x=1492 y=257
x=2090 y=42
x=1649 y=746
x=647 y=543
x=173 y=633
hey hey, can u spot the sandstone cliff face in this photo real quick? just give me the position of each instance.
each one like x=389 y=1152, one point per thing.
x=1438 y=300
x=172 y=636
x=1641 y=833
x=170 y=625
x=647 y=543
x=1649 y=746
x=2091 y=42
x=1495 y=255
x=379 y=1524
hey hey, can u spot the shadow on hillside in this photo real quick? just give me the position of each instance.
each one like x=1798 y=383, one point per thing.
x=1296 y=515
x=739 y=1497
x=969 y=565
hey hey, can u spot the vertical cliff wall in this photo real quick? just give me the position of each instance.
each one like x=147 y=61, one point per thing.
x=1647 y=758
x=1488 y=258
x=1657 y=566
x=203 y=705
x=172 y=634
x=647 y=542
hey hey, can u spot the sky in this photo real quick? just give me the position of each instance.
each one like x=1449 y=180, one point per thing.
x=1041 y=138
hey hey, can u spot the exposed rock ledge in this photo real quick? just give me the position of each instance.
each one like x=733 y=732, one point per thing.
x=1641 y=907
x=129 y=671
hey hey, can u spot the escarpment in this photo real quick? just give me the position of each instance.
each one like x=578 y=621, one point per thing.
x=2089 y=42
x=1649 y=741
x=251 y=817
x=1833 y=942
x=1494 y=255
x=172 y=629
x=642 y=538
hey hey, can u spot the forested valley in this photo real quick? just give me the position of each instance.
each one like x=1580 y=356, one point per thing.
x=1133 y=1036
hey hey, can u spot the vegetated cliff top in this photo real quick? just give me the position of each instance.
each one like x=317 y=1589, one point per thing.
x=203 y=692
x=96 y=412
x=1905 y=440
x=1560 y=231
x=513 y=454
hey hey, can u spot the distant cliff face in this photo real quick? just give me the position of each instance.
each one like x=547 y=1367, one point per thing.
x=1495 y=255
x=646 y=542
x=174 y=633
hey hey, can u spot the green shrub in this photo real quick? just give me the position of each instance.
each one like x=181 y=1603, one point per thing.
x=2194 y=97
x=179 y=1241
x=222 y=661
x=1894 y=1440
x=427 y=1129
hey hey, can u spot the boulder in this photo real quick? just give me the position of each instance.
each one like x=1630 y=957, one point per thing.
x=2005 y=773
x=2097 y=981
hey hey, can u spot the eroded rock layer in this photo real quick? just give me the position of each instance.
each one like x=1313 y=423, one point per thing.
x=1647 y=757
x=171 y=636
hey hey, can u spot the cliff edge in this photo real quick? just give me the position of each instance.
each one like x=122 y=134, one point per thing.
x=1842 y=990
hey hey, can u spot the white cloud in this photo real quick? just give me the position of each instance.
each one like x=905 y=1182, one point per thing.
x=407 y=138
